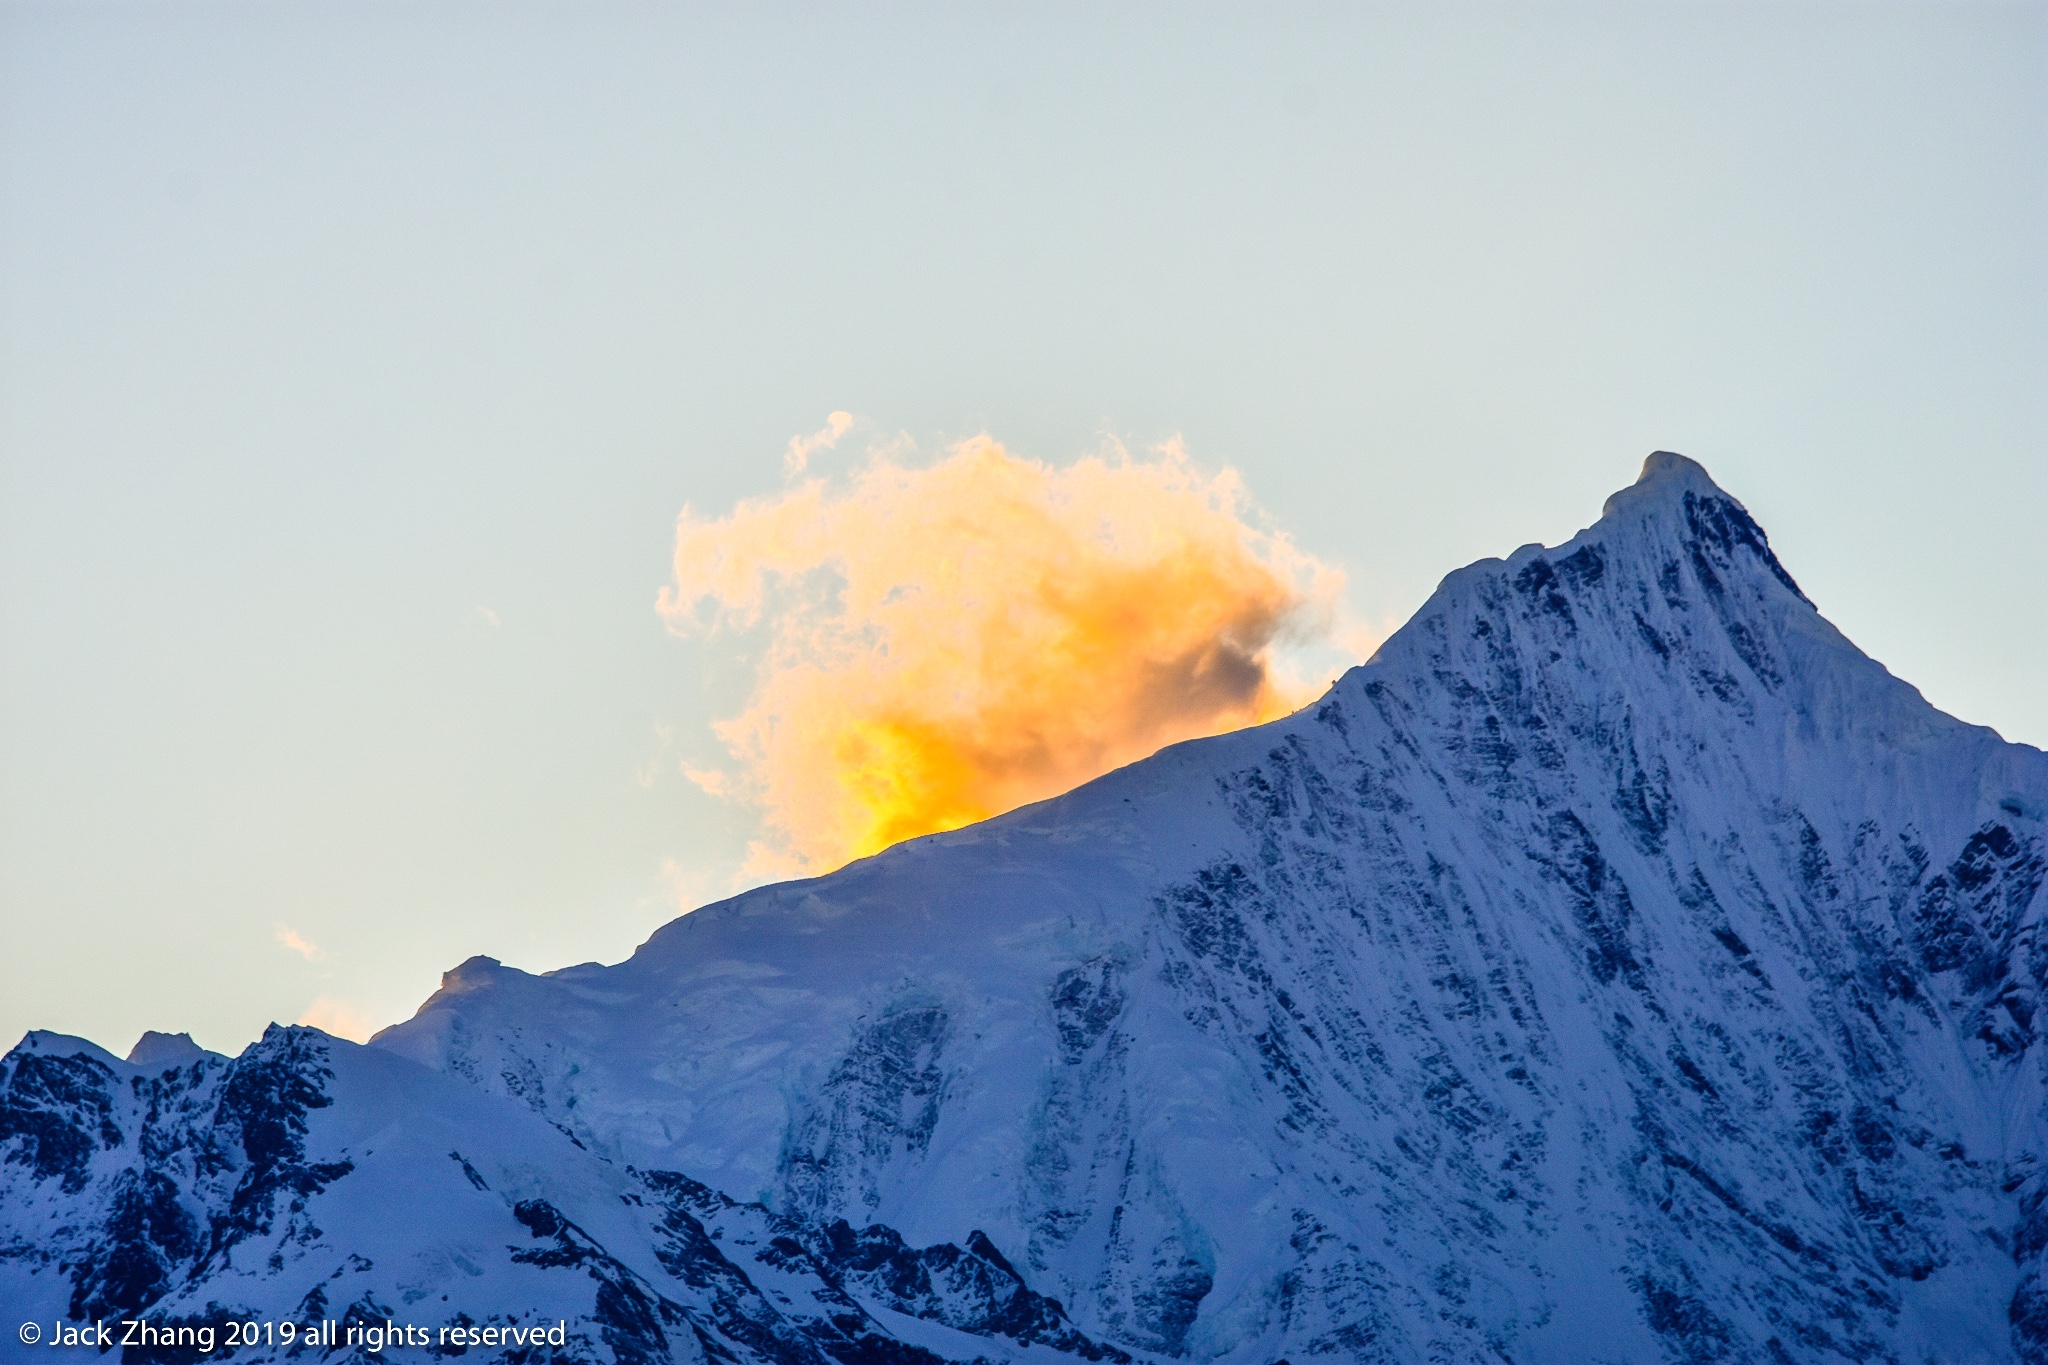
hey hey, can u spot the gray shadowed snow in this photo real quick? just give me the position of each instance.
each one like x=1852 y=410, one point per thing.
x=1619 y=966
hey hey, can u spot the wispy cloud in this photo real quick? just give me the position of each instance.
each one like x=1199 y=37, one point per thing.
x=950 y=642
x=710 y=781
x=798 y=457
x=687 y=888
x=340 y=1018
x=298 y=943
x=657 y=762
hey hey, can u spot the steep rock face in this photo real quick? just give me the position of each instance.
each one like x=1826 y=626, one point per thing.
x=1618 y=967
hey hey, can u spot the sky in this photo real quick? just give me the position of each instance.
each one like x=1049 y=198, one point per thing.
x=396 y=403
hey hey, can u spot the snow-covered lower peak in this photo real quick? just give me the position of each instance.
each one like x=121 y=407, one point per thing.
x=1618 y=967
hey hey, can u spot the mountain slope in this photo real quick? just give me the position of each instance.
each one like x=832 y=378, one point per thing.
x=312 y=1182
x=1619 y=966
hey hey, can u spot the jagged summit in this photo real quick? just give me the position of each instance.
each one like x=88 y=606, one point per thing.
x=1662 y=467
x=1666 y=478
x=1680 y=490
x=1620 y=966
x=1673 y=525
x=164 y=1049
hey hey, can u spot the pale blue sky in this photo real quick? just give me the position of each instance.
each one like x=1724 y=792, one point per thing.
x=324 y=326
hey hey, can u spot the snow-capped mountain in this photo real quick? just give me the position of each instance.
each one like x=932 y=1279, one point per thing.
x=1618 y=967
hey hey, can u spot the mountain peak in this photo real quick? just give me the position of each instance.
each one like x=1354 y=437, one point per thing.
x=1713 y=525
x=1669 y=464
x=49 y=1043
x=1667 y=476
x=164 y=1049
x=1674 y=535
x=1619 y=916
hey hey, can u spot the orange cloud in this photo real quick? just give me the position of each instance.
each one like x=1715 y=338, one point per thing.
x=951 y=642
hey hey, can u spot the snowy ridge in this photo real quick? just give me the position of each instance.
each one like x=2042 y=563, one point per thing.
x=311 y=1180
x=1618 y=967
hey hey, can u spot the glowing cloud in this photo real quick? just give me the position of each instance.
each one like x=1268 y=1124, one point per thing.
x=951 y=642
x=339 y=1018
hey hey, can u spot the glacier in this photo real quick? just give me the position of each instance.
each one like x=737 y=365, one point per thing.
x=1620 y=966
